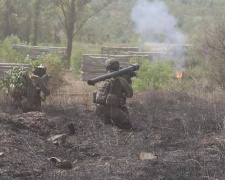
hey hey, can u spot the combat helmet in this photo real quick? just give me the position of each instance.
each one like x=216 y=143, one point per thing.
x=39 y=70
x=112 y=64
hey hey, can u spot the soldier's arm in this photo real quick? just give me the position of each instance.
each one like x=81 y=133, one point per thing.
x=41 y=84
x=128 y=90
x=44 y=87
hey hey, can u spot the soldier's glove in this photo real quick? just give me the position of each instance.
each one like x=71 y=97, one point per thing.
x=46 y=77
x=128 y=75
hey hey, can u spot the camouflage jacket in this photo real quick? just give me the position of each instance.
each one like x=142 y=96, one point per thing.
x=37 y=86
x=122 y=87
x=116 y=88
x=31 y=99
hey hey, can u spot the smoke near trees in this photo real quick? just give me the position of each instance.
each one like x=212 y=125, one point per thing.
x=154 y=23
x=124 y=22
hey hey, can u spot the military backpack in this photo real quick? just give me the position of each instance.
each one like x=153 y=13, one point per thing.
x=104 y=94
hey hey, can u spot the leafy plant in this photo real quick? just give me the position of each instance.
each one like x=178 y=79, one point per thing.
x=15 y=80
x=54 y=66
x=53 y=63
x=33 y=63
x=155 y=75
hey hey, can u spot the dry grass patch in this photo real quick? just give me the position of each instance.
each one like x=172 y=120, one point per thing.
x=71 y=91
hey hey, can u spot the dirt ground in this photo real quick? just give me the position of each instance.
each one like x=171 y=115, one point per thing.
x=175 y=137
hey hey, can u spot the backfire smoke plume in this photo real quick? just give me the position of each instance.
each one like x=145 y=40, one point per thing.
x=155 y=24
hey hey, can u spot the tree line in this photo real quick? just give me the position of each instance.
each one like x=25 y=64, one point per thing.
x=59 y=22
x=41 y=21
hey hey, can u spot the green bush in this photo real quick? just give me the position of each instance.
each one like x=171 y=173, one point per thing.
x=54 y=66
x=52 y=62
x=153 y=75
x=7 y=54
x=15 y=81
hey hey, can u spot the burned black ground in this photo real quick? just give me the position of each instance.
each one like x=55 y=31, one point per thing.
x=185 y=134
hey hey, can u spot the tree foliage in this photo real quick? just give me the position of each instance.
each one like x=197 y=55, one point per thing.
x=60 y=22
x=75 y=15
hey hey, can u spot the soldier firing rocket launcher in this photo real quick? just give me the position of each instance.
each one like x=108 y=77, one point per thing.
x=129 y=71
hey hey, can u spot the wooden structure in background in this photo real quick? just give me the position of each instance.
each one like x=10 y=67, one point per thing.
x=154 y=55
x=33 y=52
x=7 y=66
x=118 y=50
x=93 y=65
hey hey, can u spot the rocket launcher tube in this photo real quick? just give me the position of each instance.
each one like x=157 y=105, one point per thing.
x=133 y=67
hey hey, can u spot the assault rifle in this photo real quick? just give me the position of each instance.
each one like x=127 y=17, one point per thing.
x=123 y=71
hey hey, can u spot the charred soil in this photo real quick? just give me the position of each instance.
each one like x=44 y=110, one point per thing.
x=175 y=137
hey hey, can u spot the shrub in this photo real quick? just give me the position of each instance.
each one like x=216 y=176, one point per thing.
x=7 y=54
x=213 y=48
x=15 y=81
x=54 y=66
x=155 y=75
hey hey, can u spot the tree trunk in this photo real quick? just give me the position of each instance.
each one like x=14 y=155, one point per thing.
x=7 y=14
x=69 y=50
x=36 y=22
x=70 y=12
x=70 y=31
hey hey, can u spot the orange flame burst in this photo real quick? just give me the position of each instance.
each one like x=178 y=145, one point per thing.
x=178 y=74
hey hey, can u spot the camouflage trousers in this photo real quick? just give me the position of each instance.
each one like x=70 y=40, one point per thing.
x=118 y=116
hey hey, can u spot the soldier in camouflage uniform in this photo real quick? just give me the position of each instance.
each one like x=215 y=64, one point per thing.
x=36 y=91
x=110 y=98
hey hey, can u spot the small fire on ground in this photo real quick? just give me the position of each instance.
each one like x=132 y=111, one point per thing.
x=178 y=74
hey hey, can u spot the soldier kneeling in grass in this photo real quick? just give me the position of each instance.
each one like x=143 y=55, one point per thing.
x=110 y=98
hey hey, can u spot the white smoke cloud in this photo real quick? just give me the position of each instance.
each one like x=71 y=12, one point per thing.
x=155 y=24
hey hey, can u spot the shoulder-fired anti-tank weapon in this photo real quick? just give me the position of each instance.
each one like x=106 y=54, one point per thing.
x=126 y=70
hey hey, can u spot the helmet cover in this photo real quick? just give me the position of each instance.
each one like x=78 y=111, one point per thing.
x=112 y=64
